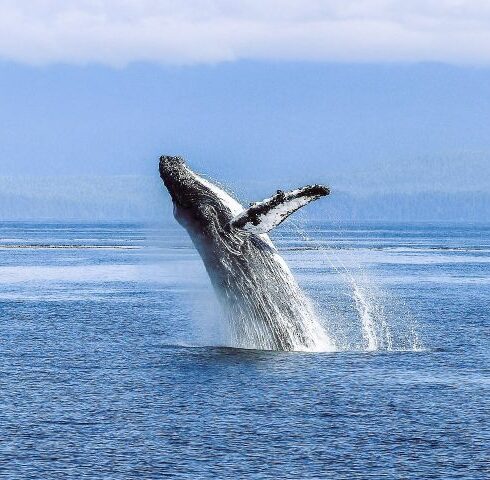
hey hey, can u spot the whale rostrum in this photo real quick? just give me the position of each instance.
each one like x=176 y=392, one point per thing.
x=265 y=307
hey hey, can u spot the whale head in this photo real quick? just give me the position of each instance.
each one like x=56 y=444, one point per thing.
x=205 y=209
x=200 y=206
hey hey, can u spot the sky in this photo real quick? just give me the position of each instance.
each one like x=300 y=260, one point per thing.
x=368 y=96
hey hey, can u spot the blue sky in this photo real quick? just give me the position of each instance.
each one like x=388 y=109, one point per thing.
x=365 y=95
x=256 y=120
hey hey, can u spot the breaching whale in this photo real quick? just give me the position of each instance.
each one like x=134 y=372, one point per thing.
x=263 y=302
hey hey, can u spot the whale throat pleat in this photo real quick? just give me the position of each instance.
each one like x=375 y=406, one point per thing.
x=263 y=216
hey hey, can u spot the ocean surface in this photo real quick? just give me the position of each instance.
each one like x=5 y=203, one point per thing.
x=114 y=361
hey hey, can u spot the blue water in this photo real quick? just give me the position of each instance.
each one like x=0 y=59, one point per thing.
x=113 y=364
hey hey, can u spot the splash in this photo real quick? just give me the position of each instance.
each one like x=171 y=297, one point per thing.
x=354 y=314
x=364 y=308
x=372 y=319
x=273 y=315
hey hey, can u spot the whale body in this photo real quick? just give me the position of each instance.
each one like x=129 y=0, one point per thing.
x=257 y=291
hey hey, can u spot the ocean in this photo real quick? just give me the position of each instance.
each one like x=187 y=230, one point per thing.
x=115 y=361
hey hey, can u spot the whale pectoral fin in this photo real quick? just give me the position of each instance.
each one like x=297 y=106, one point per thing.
x=263 y=216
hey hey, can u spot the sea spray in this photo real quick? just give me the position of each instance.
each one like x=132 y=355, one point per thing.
x=265 y=306
x=359 y=315
x=364 y=309
x=290 y=323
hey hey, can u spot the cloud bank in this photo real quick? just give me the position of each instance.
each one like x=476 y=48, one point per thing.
x=118 y=32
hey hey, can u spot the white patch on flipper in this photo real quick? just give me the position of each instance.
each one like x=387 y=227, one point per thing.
x=275 y=216
x=263 y=216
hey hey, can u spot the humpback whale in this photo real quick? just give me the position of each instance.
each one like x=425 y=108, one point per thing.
x=257 y=291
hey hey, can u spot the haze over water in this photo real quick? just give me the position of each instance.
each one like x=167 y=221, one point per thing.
x=113 y=363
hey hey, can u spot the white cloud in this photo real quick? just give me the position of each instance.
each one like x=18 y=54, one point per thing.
x=207 y=31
